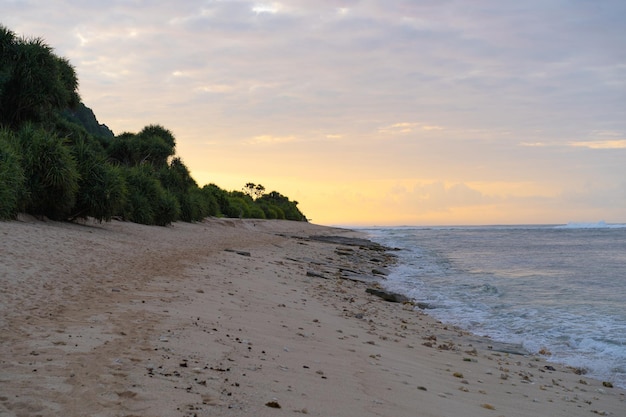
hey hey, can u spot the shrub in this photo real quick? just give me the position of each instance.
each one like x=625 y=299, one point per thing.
x=237 y=208
x=176 y=178
x=11 y=177
x=256 y=212
x=167 y=209
x=200 y=205
x=148 y=202
x=278 y=201
x=219 y=203
x=51 y=173
x=102 y=188
x=270 y=212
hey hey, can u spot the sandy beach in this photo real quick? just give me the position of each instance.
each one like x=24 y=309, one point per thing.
x=244 y=318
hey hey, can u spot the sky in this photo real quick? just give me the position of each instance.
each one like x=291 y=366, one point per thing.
x=368 y=112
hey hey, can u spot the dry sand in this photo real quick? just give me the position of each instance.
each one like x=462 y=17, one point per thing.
x=228 y=318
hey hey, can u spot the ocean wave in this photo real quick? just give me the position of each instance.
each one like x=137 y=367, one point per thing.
x=598 y=225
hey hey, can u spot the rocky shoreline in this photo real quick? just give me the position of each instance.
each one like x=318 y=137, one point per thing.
x=235 y=317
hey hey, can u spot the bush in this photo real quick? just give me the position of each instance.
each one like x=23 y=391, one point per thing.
x=256 y=212
x=102 y=188
x=219 y=203
x=200 y=205
x=237 y=208
x=167 y=209
x=148 y=202
x=11 y=177
x=176 y=178
x=285 y=208
x=51 y=173
x=271 y=213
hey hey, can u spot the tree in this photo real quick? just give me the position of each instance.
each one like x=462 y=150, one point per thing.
x=253 y=190
x=102 y=189
x=278 y=201
x=176 y=178
x=34 y=82
x=52 y=177
x=11 y=176
x=220 y=197
x=154 y=145
x=148 y=202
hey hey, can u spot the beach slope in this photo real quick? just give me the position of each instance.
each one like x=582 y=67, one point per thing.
x=244 y=318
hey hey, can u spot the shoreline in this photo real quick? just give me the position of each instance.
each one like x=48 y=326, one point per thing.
x=240 y=317
x=503 y=296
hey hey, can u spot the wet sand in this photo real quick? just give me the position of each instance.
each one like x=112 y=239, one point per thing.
x=243 y=317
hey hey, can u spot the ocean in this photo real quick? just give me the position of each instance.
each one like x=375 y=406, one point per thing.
x=555 y=288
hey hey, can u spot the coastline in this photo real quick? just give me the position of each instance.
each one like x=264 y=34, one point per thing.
x=240 y=317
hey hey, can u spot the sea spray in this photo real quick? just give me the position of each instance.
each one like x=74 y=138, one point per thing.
x=560 y=289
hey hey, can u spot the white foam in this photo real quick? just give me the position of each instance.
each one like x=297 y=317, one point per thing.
x=598 y=225
x=530 y=306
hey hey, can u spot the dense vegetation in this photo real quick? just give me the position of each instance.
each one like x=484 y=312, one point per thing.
x=57 y=161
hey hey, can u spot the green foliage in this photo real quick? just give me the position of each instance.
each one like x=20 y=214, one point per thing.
x=176 y=178
x=102 y=188
x=35 y=84
x=153 y=145
x=56 y=160
x=51 y=173
x=167 y=209
x=289 y=208
x=219 y=203
x=160 y=132
x=198 y=206
x=237 y=207
x=148 y=202
x=271 y=212
x=11 y=177
x=248 y=204
x=256 y=212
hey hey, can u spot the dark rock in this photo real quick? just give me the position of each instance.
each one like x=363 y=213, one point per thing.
x=356 y=277
x=388 y=296
x=238 y=252
x=350 y=241
x=315 y=274
x=380 y=271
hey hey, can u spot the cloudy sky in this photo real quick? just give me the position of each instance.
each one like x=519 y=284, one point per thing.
x=368 y=112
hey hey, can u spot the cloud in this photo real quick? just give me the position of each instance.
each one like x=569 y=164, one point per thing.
x=534 y=144
x=334 y=136
x=270 y=140
x=271 y=8
x=601 y=144
x=603 y=139
x=439 y=196
x=407 y=127
x=493 y=90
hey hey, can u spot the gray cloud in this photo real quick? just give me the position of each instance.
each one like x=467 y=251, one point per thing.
x=492 y=75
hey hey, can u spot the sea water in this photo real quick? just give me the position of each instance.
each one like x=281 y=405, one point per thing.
x=560 y=289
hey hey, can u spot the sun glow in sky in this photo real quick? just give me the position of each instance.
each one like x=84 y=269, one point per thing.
x=368 y=112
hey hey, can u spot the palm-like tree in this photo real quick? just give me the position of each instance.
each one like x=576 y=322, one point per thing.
x=34 y=82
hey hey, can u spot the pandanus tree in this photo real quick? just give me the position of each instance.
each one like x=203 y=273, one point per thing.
x=34 y=83
x=154 y=145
